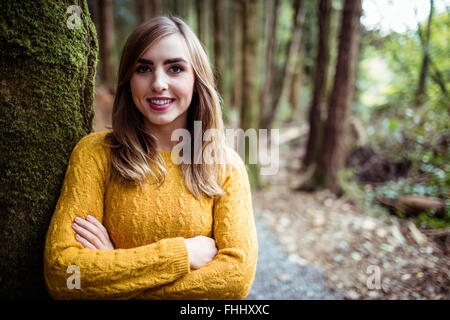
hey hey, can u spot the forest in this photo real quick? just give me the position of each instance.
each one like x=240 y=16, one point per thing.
x=362 y=112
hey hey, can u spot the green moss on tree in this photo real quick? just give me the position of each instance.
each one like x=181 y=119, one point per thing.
x=46 y=100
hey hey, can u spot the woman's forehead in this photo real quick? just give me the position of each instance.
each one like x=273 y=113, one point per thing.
x=168 y=47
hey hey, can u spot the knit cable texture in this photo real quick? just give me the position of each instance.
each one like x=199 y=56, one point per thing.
x=147 y=227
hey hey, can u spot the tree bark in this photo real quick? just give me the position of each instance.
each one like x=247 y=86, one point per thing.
x=319 y=96
x=146 y=9
x=296 y=88
x=421 y=86
x=332 y=154
x=202 y=21
x=47 y=92
x=140 y=8
x=414 y=204
x=237 y=57
x=107 y=44
x=287 y=72
x=249 y=111
x=219 y=45
x=272 y=14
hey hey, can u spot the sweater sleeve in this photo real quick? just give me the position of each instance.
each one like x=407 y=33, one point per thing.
x=230 y=275
x=103 y=274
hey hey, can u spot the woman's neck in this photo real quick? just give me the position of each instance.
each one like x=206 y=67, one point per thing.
x=163 y=133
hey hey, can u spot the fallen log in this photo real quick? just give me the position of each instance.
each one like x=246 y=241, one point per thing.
x=414 y=204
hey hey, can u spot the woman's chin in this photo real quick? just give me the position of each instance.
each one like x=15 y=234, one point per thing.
x=160 y=121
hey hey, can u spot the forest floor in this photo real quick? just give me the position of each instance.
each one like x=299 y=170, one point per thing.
x=363 y=256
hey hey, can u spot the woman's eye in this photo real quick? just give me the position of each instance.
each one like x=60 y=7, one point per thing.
x=142 y=69
x=176 y=69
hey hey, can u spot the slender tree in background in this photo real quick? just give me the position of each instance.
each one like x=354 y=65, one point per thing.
x=331 y=156
x=48 y=60
x=146 y=9
x=141 y=10
x=94 y=12
x=319 y=95
x=202 y=22
x=219 y=45
x=424 y=68
x=296 y=86
x=237 y=58
x=273 y=12
x=288 y=67
x=229 y=52
x=106 y=40
x=249 y=110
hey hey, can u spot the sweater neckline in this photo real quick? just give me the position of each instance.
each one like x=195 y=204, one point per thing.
x=167 y=156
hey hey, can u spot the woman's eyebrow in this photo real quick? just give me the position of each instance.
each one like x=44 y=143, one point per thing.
x=168 y=61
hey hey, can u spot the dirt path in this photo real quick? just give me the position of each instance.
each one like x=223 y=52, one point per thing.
x=280 y=276
x=359 y=256
x=338 y=250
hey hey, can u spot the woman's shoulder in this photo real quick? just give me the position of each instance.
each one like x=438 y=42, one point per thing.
x=234 y=161
x=93 y=143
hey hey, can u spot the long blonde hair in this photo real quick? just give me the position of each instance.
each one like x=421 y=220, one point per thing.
x=133 y=149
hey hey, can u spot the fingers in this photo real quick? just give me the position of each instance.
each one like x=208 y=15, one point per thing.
x=97 y=224
x=93 y=232
x=90 y=231
x=84 y=242
x=86 y=232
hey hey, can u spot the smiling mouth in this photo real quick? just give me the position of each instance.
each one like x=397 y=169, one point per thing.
x=160 y=104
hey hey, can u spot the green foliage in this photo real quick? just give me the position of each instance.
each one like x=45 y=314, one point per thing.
x=355 y=191
x=365 y=198
x=398 y=127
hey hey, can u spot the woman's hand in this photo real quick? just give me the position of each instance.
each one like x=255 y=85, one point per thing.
x=201 y=250
x=92 y=234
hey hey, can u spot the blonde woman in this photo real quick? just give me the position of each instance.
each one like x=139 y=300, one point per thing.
x=132 y=223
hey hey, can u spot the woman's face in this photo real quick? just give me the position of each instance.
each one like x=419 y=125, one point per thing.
x=163 y=83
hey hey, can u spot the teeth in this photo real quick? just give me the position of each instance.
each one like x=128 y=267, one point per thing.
x=160 y=101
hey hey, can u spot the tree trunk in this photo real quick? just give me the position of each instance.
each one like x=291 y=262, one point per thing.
x=286 y=76
x=249 y=111
x=155 y=8
x=146 y=9
x=332 y=154
x=178 y=7
x=296 y=88
x=272 y=14
x=47 y=91
x=140 y=8
x=438 y=77
x=421 y=86
x=107 y=43
x=237 y=56
x=319 y=96
x=94 y=12
x=219 y=45
x=414 y=204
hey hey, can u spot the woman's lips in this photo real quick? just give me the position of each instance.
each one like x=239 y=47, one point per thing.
x=160 y=107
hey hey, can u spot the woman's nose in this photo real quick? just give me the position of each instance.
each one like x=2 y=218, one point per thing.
x=159 y=82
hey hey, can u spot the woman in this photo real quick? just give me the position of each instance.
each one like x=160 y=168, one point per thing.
x=131 y=222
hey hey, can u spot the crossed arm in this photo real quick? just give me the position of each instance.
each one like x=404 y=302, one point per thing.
x=172 y=268
x=93 y=235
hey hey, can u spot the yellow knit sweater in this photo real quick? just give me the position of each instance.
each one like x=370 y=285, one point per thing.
x=147 y=227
